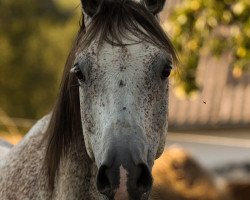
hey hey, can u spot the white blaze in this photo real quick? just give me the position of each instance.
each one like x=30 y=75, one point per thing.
x=122 y=192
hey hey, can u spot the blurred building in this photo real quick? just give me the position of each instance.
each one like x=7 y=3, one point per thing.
x=224 y=100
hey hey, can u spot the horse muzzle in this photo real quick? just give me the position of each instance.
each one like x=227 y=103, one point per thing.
x=124 y=173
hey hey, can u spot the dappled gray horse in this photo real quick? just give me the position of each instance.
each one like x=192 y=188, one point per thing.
x=110 y=119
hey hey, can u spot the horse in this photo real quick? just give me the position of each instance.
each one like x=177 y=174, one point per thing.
x=109 y=122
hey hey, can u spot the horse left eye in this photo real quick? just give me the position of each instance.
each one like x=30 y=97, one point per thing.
x=166 y=72
x=77 y=71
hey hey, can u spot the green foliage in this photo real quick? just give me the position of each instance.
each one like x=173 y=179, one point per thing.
x=200 y=26
x=35 y=37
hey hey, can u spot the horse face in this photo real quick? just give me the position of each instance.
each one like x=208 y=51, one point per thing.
x=123 y=100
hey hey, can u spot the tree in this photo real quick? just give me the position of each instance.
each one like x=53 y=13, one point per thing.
x=212 y=26
x=35 y=37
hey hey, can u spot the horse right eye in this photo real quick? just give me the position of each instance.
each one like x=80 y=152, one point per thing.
x=78 y=73
x=166 y=72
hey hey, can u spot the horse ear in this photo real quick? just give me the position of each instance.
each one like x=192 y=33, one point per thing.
x=90 y=7
x=154 y=6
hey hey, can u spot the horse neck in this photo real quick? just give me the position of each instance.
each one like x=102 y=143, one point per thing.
x=76 y=176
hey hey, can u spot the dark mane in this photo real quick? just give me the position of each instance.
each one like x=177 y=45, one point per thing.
x=113 y=21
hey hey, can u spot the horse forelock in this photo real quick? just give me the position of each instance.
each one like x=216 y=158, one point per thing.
x=117 y=20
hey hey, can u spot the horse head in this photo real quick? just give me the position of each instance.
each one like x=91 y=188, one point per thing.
x=117 y=82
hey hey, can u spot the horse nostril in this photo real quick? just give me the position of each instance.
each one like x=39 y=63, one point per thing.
x=103 y=183
x=145 y=181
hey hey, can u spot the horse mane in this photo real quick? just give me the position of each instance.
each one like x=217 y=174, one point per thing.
x=113 y=20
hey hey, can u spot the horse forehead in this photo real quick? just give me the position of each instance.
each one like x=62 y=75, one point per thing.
x=133 y=54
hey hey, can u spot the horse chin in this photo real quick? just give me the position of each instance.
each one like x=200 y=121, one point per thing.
x=121 y=194
x=124 y=196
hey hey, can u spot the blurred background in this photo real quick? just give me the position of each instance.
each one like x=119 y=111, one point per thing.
x=209 y=119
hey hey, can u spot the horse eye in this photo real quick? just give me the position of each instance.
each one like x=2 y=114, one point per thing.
x=166 y=72
x=79 y=74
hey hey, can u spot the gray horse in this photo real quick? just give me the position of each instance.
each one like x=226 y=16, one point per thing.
x=110 y=119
